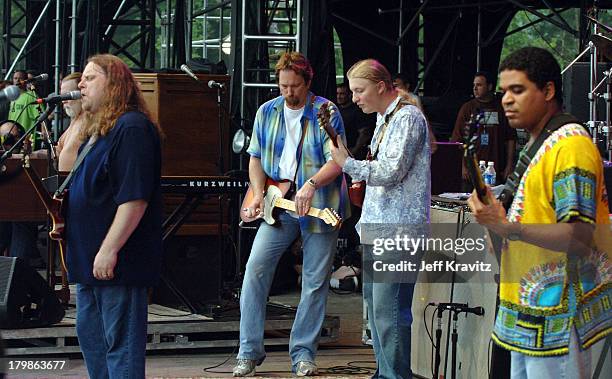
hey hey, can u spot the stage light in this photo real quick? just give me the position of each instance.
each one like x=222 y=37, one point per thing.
x=226 y=45
x=240 y=142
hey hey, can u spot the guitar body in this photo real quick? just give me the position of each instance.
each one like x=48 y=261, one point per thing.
x=58 y=204
x=248 y=198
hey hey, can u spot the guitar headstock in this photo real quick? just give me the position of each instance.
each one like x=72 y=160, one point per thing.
x=470 y=133
x=470 y=159
x=324 y=117
x=330 y=217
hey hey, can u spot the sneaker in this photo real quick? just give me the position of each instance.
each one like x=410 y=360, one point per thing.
x=306 y=368
x=244 y=367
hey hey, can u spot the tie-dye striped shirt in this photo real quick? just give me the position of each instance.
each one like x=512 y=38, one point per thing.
x=268 y=140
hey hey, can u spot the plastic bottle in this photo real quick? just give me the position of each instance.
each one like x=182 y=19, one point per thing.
x=483 y=167
x=489 y=175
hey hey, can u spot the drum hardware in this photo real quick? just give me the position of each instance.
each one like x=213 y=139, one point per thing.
x=599 y=43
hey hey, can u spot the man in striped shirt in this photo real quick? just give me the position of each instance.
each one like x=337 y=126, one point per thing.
x=287 y=144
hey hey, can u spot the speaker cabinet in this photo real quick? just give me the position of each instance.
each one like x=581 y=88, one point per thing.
x=446 y=168
x=192 y=266
x=26 y=301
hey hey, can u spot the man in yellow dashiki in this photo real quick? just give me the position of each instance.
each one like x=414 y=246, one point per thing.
x=555 y=292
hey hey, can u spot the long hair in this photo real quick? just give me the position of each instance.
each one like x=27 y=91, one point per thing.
x=372 y=70
x=121 y=95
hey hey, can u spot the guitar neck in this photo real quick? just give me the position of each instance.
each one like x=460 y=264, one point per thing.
x=38 y=185
x=476 y=178
x=290 y=206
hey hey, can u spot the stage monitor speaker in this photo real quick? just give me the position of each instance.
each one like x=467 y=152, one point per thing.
x=576 y=84
x=26 y=301
x=191 y=265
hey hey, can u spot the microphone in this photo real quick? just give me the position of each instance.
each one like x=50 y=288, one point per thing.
x=478 y=311
x=10 y=93
x=188 y=71
x=461 y=307
x=38 y=78
x=213 y=84
x=54 y=99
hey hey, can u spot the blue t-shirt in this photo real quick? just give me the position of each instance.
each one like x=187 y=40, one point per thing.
x=123 y=166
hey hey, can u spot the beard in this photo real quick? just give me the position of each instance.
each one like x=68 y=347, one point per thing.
x=293 y=101
x=70 y=112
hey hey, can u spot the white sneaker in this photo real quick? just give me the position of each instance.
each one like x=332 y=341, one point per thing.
x=306 y=368
x=244 y=367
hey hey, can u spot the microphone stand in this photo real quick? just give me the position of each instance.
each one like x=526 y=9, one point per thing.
x=438 y=339
x=454 y=338
x=220 y=126
x=43 y=116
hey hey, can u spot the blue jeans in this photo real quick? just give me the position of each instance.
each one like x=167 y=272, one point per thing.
x=112 y=329
x=269 y=245
x=575 y=365
x=390 y=319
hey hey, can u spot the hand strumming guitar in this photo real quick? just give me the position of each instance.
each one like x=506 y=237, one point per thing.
x=255 y=208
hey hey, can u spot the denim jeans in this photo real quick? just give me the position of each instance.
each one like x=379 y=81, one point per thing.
x=112 y=329
x=269 y=245
x=390 y=319
x=575 y=365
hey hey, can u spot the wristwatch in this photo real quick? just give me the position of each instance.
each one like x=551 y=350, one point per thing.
x=516 y=234
x=312 y=183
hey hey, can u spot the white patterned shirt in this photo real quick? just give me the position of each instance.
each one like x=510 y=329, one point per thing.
x=398 y=180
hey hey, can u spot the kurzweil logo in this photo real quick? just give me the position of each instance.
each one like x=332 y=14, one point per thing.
x=218 y=184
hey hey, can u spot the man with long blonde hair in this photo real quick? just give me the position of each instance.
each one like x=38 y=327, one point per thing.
x=114 y=259
x=397 y=200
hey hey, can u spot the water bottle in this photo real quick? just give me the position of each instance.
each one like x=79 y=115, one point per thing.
x=482 y=165
x=489 y=175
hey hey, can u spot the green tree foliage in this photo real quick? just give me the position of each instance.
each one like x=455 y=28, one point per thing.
x=547 y=35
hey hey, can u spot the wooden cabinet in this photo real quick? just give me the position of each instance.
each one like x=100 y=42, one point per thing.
x=187 y=112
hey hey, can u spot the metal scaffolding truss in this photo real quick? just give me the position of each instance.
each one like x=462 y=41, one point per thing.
x=214 y=18
x=543 y=10
x=20 y=23
x=137 y=17
x=273 y=28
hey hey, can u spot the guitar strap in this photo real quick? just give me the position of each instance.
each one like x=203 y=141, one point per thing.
x=76 y=165
x=400 y=104
x=292 y=189
x=557 y=121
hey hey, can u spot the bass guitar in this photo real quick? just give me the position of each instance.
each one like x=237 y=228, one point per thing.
x=55 y=206
x=275 y=198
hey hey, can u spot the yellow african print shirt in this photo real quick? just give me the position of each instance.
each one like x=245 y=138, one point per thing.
x=544 y=293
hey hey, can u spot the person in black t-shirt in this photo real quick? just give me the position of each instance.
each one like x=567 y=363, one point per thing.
x=113 y=223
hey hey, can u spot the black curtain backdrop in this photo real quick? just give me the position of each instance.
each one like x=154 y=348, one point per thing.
x=317 y=41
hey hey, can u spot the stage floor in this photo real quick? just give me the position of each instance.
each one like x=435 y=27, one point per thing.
x=194 y=350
